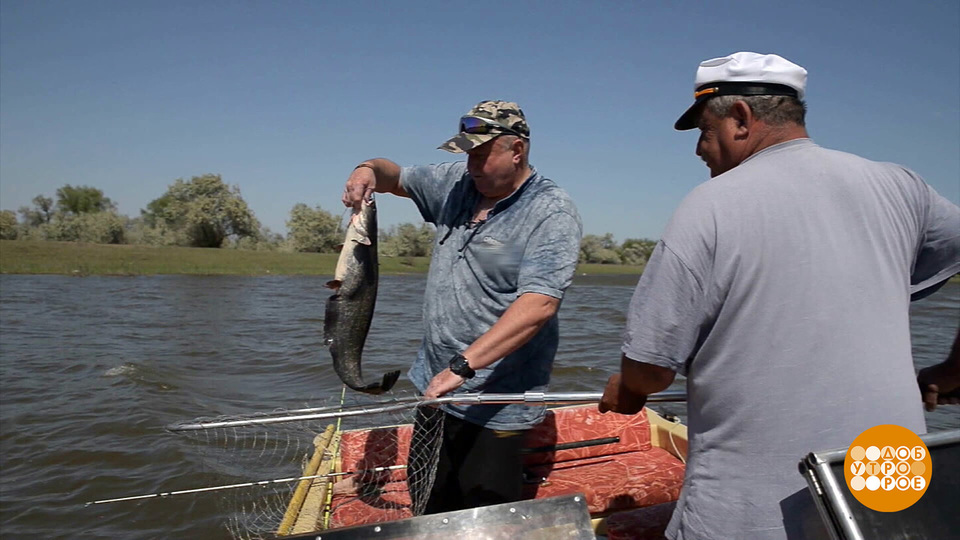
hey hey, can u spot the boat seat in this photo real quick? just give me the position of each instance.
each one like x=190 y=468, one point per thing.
x=648 y=523
x=612 y=483
x=612 y=462
x=375 y=496
x=583 y=424
x=624 y=472
x=363 y=450
x=375 y=503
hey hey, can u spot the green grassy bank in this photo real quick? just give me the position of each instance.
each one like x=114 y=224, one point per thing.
x=23 y=257
x=71 y=258
x=26 y=257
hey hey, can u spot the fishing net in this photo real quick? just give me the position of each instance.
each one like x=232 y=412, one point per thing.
x=290 y=471
x=357 y=460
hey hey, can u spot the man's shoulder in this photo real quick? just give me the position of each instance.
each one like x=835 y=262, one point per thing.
x=809 y=154
x=795 y=159
x=549 y=197
x=433 y=171
x=433 y=180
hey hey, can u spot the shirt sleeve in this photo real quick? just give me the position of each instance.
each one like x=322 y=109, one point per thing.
x=429 y=185
x=938 y=255
x=665 y=314
x=551 y=255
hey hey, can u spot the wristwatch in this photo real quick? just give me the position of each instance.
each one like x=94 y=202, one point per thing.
x=459 y=366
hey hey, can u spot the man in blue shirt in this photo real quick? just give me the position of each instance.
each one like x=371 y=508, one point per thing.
x=508 y=240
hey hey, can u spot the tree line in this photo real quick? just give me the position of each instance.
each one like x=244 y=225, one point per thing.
x=206 y=212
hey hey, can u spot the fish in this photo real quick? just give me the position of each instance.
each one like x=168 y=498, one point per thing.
x=349 y=310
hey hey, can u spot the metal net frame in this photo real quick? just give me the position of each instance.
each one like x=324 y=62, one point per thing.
x=295 y=480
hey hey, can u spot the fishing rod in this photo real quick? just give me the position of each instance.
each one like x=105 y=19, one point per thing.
x=245 y=484
x=479 y=398
x=539 y=449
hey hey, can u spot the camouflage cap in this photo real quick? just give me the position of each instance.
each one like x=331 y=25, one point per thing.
x=503 y=113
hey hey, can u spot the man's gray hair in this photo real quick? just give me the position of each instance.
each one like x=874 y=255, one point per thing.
x=508 y=139
x=774 y=110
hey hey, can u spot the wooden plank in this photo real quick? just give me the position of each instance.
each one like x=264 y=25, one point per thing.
x=316 y=500
x=320 y=443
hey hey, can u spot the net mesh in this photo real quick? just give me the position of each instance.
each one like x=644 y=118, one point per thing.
x=305 y=474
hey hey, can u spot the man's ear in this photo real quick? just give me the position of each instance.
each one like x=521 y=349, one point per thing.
x=743 y=116
x=517 y=147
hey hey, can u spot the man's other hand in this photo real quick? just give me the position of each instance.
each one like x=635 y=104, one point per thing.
x=619 y=399
x=445 y=381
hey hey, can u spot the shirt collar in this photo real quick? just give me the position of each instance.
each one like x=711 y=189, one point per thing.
x=507 y=201
x=792 y=143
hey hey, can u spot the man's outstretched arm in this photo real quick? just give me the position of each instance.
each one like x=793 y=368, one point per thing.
x=373 y=175
x=940 y=383
x=627 y=391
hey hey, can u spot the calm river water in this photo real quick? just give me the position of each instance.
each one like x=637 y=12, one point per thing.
x=92 y=369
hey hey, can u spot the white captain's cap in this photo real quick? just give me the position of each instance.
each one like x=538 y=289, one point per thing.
x=743 y=74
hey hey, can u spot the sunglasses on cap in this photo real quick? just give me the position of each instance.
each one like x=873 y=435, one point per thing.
x=484 y=126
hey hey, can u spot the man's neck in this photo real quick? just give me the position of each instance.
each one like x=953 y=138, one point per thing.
x=519 y=178
x=774 y=135
x=485 y=204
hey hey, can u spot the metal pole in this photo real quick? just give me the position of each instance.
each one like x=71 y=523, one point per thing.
x=481 y=398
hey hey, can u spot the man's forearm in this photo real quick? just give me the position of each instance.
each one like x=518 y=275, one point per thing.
x=953 y=359
x=522 y=320
x=387 y=174
x=644 y=379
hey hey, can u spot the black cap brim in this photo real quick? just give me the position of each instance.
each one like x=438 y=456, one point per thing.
x=690 y=117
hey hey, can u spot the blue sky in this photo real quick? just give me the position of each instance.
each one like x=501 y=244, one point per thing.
x=284 y=98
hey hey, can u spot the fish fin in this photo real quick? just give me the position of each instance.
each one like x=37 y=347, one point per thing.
x=365 y=241
x=389 y=379
x=330 y=322
x=333 y=284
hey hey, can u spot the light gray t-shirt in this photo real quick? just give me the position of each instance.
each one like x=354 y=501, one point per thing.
x=529 y=243
x=781 y=290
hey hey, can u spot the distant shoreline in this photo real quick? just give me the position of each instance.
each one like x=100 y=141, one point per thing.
x=81 y=259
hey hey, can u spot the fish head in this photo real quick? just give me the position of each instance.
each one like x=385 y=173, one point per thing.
x=363 y=223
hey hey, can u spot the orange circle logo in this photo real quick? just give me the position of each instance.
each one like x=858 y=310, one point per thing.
x=888 y=468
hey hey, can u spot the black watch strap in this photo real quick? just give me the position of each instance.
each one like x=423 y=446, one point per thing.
x=460 y=366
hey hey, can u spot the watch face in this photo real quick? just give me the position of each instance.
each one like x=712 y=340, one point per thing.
x=460 y=366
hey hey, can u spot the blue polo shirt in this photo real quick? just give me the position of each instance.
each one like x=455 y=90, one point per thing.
x=529 y=243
